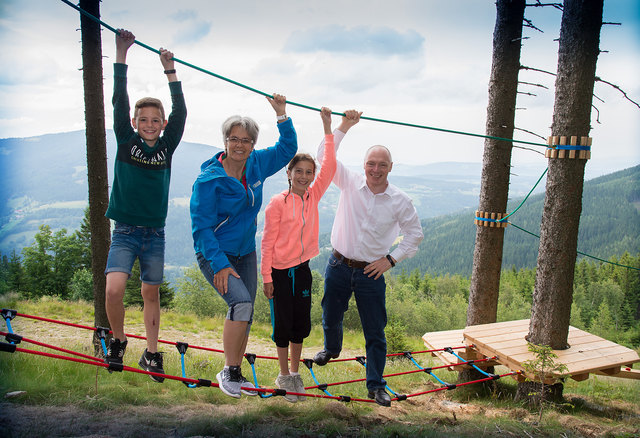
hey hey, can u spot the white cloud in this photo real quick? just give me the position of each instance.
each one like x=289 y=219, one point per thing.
x=358 y=40
x=425 y=62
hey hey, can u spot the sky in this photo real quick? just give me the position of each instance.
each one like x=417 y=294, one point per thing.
x=424 y=62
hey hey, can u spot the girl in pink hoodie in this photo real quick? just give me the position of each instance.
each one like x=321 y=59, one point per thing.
x=289 y=241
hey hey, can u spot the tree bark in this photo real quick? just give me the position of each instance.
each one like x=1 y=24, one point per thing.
x=96 y=157
x=496 y=164
x=494 y=190
x=553 y=292
x=577 y=57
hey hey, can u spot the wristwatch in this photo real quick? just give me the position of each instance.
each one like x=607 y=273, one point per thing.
x=282 y=117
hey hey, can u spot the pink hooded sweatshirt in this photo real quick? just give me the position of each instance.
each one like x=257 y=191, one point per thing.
x=290 y=235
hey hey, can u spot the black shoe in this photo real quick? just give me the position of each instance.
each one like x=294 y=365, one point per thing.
x=152 y=362
x=115 y=350
x=381 y=396
x=322 y=357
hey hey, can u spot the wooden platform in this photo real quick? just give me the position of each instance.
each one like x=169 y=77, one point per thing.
x=452 y=338
x=587 y=353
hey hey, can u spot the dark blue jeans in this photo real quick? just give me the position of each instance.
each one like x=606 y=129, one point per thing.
x=340 y=282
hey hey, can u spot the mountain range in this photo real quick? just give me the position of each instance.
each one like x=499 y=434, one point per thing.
x=44 y=181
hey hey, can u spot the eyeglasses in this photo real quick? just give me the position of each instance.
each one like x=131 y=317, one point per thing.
x=236 y=140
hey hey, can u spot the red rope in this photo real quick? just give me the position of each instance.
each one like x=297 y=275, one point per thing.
x=53 y=347
x=40 y=318
x=215 y=350
x=442 y=388
x=90 y=360
x=169 y=376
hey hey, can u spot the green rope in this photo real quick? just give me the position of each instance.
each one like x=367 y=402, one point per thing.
x=195 y=67
x=504 y=219
x=579 y=252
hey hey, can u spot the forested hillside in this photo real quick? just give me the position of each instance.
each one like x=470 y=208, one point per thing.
x=609 y=226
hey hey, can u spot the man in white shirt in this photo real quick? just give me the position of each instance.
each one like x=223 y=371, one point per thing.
x=371 y=214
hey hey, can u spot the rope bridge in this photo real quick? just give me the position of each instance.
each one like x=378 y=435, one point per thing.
x=13 y=340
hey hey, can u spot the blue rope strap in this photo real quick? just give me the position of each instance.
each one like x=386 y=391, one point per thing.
x=490 y=220
x=182 y=349
x=321 y=387
x=362 y=361
x=565 y=147
x=450 y=350
x=426 y=370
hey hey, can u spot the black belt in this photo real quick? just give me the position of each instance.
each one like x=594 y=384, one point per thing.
x=350 y=263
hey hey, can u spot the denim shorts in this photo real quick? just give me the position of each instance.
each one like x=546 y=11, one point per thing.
x=241 y=292
x=145 y=243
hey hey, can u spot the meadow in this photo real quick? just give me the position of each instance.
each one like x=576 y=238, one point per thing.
x=52 y=397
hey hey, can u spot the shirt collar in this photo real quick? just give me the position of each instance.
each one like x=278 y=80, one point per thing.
x=388 y=191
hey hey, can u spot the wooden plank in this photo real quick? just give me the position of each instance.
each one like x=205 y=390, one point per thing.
x=497 y=326
x=611 y=371
x=589 y=362
x=612 y=351
x=443 y=339
x=576 y=355
x=499 y=335
x=589 y=365
x=625 y=373
x=580 y=377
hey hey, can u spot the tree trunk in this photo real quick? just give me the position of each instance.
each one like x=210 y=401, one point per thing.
x=96 y=157
x=532 y=392
x=577 y=57
x=494 y=190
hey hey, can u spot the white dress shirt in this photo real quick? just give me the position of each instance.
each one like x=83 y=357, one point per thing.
x=366 y=225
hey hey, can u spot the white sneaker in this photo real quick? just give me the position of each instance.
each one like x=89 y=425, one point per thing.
x=287 y=383
x=299 y=385
x=229 y=380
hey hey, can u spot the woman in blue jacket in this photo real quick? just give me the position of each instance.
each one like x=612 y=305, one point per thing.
x=225 y=202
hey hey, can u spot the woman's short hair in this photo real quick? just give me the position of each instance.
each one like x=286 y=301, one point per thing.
x=247 y=123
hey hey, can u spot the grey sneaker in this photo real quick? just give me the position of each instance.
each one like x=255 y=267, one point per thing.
x=287 y=383
x=245 y=384
x=229 y=380
x=152 y=362
x=299 y=385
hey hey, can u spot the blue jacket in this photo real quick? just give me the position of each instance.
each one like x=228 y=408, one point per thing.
x=223 y=213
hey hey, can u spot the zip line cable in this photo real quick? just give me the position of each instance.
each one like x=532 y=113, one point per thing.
x=255 y=90
x=247 y=87
x=580 y=252
x=504 y=219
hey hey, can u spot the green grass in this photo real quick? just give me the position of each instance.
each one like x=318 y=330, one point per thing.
x=605 y=405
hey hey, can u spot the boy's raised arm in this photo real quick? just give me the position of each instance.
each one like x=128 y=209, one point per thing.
x=166 y=58
x=124 y=40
